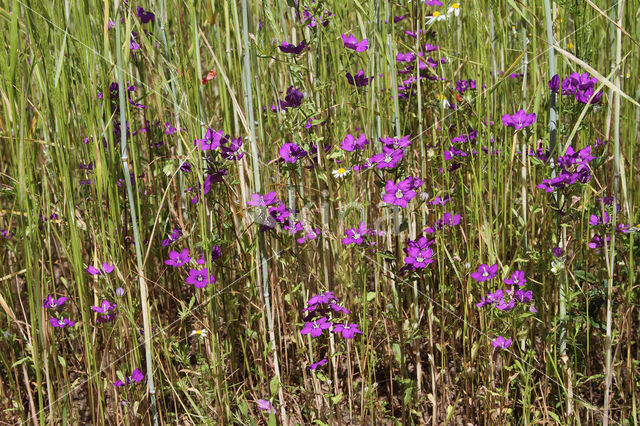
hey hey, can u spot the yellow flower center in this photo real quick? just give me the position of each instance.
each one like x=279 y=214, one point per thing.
x=342 y=170
x=436 y=14
x=455 y=6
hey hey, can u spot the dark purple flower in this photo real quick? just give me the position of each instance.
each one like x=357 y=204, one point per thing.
x=597 y=242
x=359 y=80
x=263 y=200
x=315 y=328
x=396 y=143
x=108 y=311
x=557 y=251
x=62 y=323
x=348 y=330
x=216 y=253
x=485 y=272
x=350 y=42
x=523 y=296
x=596 y=220
x=51 y=303
x=399 y=194
x=519 y=120
x=315 y=365
x=200 y=278
x=355 y=235
x=265 y=405
x=501 y=342
x=136 y=377
x=292 y=48
x=516 y=279
x=419 y=258
x=145 y=15
x=322 y=298
x=106 y=269
x=388 y=158
x=178 y=259
x=350 y=143
x=554 y=84
x=231 y=151
x=290 y=152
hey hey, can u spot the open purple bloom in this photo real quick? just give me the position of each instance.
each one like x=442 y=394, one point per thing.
x=200 y=278
x=419 y=258
x=485 y=272
x=388 y=158
x=51 y=303
x=61 y=323
x=516 y=279
x=399 y=194
x=501 y=342
x=596 y=220
x=263 y=200
x=350 y=42
x=265 y=405
x=178 y=259
x=519 y=120
x=523 y=296
x=145 y=15
x=355 y=235
x=315 y=328
x=212 y=140
x=108 y=311
x=348 y=330
x=290 y=152
x=292 y=48
x=350 y=143
x=339 y=309
x=322 y=298
x=315 y=365
x=106 y=269
x=136 y=377
x=359 y=80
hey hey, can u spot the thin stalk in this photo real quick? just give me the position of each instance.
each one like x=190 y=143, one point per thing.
x=612 y=248
x=144 y=302
x=264 y=273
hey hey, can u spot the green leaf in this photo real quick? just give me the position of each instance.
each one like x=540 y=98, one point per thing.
x=274 y=385
x=63 y=362
x=336 y=398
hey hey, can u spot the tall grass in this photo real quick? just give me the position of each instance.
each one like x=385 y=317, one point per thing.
x=86 y=180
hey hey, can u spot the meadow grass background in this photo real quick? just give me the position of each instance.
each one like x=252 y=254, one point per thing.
x=425 y=354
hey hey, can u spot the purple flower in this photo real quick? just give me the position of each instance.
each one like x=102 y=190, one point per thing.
x=145 y=15
x=501 y=342
x=51 y=303
x=485 y=272
x=355 y=235
x=61 y=324
x=554 y=84
x=557 y=251
x=136 y=377
x=292 y=48
x=399 y=194
x=396 y=143
x=339 y=309
x=106 y=269
x=322 y=298
x=315 y=328
x=290 y=152
x=388 y=158
x=216 y=253
x=350 y=42
x=263 y=200
x=315 y=365
x=212 y=140
x=597 y=242
x=348 y=330
x=523 y=296
x=419 y=258
x=119 y=291
x=200 y=278
x=516 y=279
x=105 y=309
x=265 y=405
x=350 y=143
x=178 y=259
x=359 y=79
x=519 y=120
x=595 y=220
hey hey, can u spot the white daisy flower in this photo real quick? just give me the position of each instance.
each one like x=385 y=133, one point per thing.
x=341 y=172
x=200 y=333
x=454 y=9
x=437 y=16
